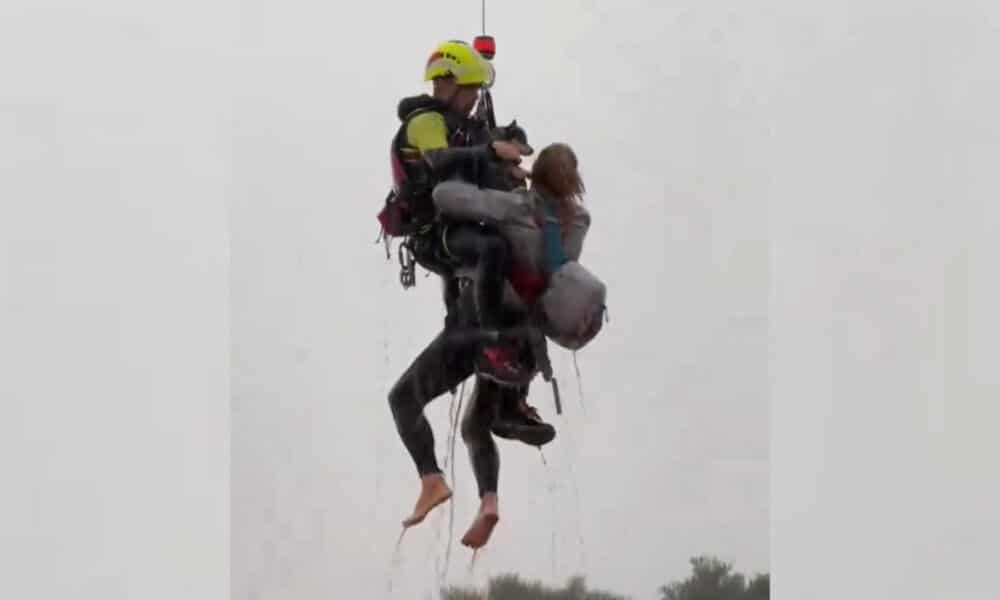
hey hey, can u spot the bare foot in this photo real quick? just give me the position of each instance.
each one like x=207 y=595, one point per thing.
x=479 y=533
x=433 y=491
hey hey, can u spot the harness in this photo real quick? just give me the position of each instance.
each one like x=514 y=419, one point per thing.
x=408 y=211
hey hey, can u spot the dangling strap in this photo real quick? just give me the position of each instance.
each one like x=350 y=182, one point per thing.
x=539 y=349
x=383 y=237
x=555 y=396
x=579 y=380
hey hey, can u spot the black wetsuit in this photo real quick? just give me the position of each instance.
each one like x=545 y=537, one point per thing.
x=480 y=415
x=446 y=362
x=473 y=315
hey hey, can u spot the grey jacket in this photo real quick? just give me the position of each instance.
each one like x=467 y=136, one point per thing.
x=516 y=215
x=571 y=308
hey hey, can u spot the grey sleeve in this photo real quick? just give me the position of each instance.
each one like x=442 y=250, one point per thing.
x=463 y=200
x=573 y=240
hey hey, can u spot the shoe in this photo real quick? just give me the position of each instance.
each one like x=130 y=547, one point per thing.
x=522 y=422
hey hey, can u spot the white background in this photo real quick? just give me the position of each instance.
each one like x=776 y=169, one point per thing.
x=114 y=365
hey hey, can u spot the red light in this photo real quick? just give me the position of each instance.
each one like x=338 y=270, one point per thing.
x=486 y=46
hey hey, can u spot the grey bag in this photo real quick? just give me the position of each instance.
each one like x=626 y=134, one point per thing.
x=573 y=306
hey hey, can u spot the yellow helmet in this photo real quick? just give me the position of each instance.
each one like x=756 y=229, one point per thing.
x=459 y=59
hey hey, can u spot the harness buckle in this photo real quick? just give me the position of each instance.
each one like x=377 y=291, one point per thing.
x=407 y=265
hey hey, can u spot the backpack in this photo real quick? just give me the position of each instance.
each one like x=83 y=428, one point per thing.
x=408 y=208
x=408 y=211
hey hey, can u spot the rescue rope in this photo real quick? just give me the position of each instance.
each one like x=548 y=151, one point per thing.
x=579 y=381
x=455 y=418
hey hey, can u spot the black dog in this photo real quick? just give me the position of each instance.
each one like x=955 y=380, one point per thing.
x=513 y=133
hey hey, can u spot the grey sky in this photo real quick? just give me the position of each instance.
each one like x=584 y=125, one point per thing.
x=884 y=224
x=794 y=208
x=113 y=286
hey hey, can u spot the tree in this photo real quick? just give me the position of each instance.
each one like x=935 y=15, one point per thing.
x=512 y=587
x=712 y=579
x=759 y=588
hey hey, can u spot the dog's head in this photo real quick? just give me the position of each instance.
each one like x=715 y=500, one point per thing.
x=516 y=134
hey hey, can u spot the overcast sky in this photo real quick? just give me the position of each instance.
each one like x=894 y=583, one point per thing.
x=794 y=210
x=114 y=169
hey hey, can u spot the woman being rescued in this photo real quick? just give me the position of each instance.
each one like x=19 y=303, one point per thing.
x=545 y=226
